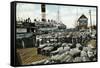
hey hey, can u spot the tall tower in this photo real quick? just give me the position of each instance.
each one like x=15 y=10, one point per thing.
x=43 y=10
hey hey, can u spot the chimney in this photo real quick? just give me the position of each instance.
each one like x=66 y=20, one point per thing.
x=43 y=10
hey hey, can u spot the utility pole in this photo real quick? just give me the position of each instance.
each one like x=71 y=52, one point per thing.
x=90 y=21
x=76 y=19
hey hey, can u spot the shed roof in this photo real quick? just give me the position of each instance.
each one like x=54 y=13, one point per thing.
x=82 y=16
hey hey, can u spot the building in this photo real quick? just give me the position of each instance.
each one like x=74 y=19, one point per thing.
x=83 y=22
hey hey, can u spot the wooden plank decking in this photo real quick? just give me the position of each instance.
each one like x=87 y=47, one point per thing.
x=29 y=55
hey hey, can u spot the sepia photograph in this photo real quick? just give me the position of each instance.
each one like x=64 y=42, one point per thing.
x=55 y=34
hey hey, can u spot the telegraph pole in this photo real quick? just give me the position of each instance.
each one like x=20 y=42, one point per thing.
x=76 y=22
x=90 y=21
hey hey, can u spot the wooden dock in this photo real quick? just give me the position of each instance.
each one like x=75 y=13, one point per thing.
x=29 y=55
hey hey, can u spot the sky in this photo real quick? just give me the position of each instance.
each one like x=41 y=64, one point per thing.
x=68 y=14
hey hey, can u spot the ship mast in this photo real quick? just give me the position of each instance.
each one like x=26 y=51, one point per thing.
x=58 y=15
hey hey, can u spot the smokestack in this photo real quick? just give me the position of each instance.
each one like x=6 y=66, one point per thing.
x=43 y=10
